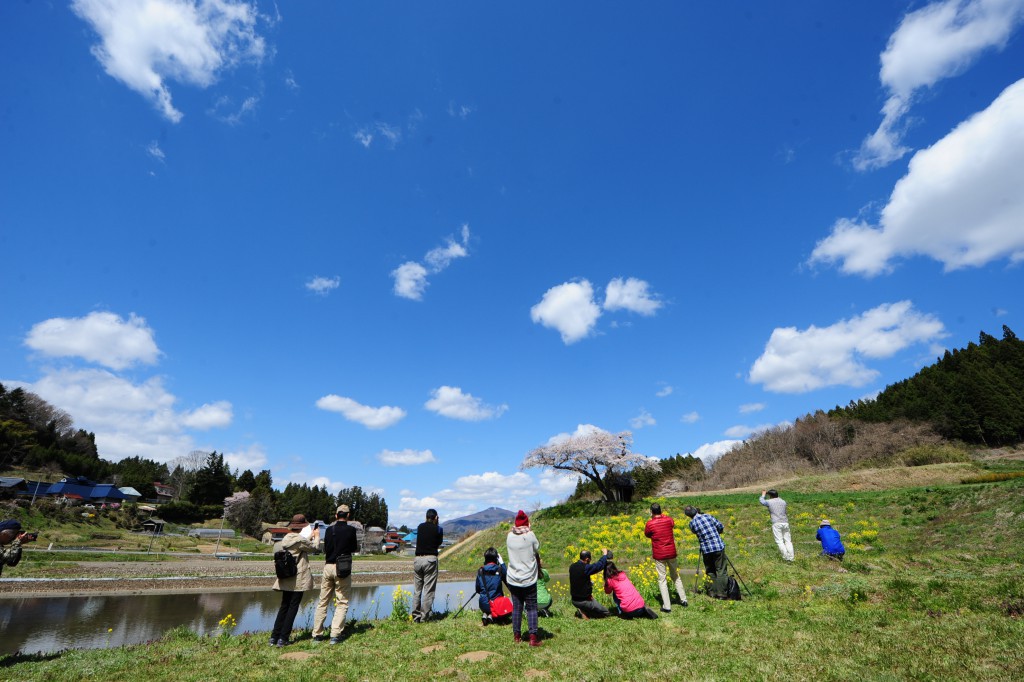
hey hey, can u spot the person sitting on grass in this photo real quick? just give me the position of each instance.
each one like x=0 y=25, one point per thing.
x=543 y=594
x=628 y=600
x=581 y=590
x=831 y=544
x=488 y=585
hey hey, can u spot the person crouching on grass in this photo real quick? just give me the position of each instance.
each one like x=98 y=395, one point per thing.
x=488 y=585
x=523 y=571
x=627 y=598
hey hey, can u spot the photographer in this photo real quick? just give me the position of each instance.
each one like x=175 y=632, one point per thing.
x=708 y=530
x=11 y=539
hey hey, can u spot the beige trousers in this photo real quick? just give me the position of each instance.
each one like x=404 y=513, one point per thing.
x=670 y=567
x=341 y=590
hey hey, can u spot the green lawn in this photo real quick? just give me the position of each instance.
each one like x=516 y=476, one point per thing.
x=932 y=588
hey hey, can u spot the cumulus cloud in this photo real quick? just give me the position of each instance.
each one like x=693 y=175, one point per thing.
x=641 y=420
x=933 y=43
x=323 y=285
x=581 y=430
x=146 y=44
x=128 y=418
x=747 y=408
x=664 y=391
x=450 y=401
x=253 y=458
x=407 y=457
x=411 y=277
x=568 y=308
x=690 y=417
x=630 y=294
x=960 y=202
x=209 y=416
x=744 y=431
x=100 y=337
x=709 y=452
x=370 y=417
x=797 y=361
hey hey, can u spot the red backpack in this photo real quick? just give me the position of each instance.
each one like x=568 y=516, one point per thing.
x=501 y=606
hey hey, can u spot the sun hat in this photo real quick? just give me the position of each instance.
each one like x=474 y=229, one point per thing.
x=522 y=519
x=298 y=522
x=825 y=522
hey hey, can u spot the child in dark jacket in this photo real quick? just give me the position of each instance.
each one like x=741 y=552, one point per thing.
x=488 y=584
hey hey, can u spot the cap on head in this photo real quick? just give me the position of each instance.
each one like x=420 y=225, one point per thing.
x=522 y=519
x=825 y=522
x=343 y=510
x=10 y=524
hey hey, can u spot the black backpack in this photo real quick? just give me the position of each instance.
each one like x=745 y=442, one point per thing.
x=733 y=590
x=285 y=565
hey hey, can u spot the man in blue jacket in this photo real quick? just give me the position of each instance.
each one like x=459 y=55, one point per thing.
x=831 y=543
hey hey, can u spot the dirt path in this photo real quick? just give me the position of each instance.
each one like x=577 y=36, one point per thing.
x=193 y=575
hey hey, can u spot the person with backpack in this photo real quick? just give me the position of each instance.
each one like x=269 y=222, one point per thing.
x=492 y=600
x=627 y=598
x=663 y=551
x=523 y=571
x=294 y=576
x=340 y=543
x=831 y=544
x=11 y=538
x=581 y=589
x=780 y=522
x=708 y=530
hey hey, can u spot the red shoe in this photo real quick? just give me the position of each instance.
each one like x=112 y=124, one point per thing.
x=516 y=637
x=534 y=641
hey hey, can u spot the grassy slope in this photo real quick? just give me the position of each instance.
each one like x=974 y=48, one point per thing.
x=933 y=588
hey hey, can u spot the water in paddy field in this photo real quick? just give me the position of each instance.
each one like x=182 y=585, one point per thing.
x=49 y=624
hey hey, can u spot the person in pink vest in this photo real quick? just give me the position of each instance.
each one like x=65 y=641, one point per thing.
x=627 y=598
x=663 y=550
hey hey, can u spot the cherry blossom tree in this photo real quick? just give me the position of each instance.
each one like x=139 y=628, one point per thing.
x=594 y=454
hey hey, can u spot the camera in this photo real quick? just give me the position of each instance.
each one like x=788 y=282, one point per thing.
x=30 y=537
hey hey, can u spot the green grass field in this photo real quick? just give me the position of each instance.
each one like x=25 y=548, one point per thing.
x=932 y=589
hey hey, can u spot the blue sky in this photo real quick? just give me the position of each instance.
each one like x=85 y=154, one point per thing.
x=399 y=246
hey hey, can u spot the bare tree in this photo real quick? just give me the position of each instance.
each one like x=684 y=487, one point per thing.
x=595 y=455
x=183 y=471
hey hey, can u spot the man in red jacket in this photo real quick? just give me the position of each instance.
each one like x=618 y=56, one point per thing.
x=663 y=549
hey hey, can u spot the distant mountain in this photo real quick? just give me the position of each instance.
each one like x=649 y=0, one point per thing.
x=491 y=516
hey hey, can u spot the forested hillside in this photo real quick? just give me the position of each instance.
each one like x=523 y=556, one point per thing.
x=975 y=395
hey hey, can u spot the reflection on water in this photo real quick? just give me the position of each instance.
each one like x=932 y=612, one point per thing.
x=48 y=624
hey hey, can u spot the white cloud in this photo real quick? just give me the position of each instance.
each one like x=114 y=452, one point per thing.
x=253 y=458
x=665 y=391
x=209 y=416
x=103 y=338
x=146 y=44
x=581 y=430
x=289 y=80
x=154 y=150
x=960 y=202
x=300 y=477
x=744 y=431
x=747 y=408
x=323 y=285
x=363 y=137
x=938 y=41
x=370 y=417
x=128 y=419
x=407 y=457
x=224 y=109
x=709 y=452
x=450 y=401
x=488 y=485
x=411 y=277
x=641 y=420
x=630 y=294
x=459 y=110
x=690 y=417
x=410 y=280
x=568 y=308
x=798 y=361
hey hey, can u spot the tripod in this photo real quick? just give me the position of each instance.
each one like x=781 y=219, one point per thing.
x=465 y=605
x=696 y=575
